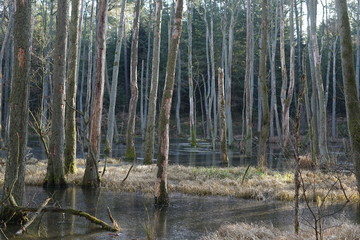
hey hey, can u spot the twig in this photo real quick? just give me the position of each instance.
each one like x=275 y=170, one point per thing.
x=3 y=234
x=127 y=175
x=114 y=222
x=23 y=228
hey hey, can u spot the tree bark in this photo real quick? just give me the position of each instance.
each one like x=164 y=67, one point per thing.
x=150 y=123
x=161 y=192
x=178 y=95
x=14 y=185
x=70 y=108
x=333 y=114
x=351 y=95
x=222 y=117
x=55 y=169
x=265 y=129
x=190 y=75
x=322 y=130
x=114 y=82
x=249 y=134
x=91 y=176
x=130 y=154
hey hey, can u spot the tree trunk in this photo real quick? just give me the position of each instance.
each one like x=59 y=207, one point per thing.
x=14 y=185
x=322 y=130
x=265 y=129
x=249 y=134
x=178 y=95
x=222 y=117
x=350 y=91
x=190 y=75
x=333 y=114
x=55 y=169
x=150 y=124
x=91 y=176
x=161 y=192
x=213 y=87
x=89 y=76
x=70 y=108
x=130 y=154
x=114 y=82
x=357 y=79
x=228 y=77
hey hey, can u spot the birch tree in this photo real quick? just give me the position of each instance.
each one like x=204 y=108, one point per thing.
x=161 y=191
x=222 y=117
x=91 y=177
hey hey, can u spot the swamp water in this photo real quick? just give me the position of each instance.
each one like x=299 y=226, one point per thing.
x=187 y=217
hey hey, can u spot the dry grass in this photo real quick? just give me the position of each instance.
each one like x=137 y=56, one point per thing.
x=245 y=231
x=256 y=184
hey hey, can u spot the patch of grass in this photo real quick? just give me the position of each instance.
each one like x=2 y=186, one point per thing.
x=258 y=184
x=242 y=231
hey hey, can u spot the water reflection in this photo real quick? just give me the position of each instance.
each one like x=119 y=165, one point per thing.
x=188 y=217
x=180 y=152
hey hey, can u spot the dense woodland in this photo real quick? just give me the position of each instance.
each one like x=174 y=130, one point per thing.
x=238 y=73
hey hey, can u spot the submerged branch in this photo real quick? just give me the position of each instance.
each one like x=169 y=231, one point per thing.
x=93 y=219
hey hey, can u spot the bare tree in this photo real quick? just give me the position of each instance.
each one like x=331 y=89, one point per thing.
x=265 y=129
x=55 y=169
x=70 y=113
x=161 y=192
x=14 y=185
x=150 y=124
x=115 y=75
x=130 y=145
x=350 y=91
x=91 y=176
x=222 y=116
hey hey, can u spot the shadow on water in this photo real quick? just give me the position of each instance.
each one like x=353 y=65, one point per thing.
x=188 y=217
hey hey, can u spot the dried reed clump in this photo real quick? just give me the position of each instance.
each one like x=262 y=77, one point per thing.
x=251 y=183
x=244 y=231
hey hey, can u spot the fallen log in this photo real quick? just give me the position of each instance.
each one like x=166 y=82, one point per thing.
x=113 y=228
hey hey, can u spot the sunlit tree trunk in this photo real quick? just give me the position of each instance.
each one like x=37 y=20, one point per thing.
x=265 y=128
x=130 y=154
x=150 y=122
x=14 y=185
x=351 y=95
x=161 y=191
x=357 y=79
x=91 y=176
x=55 y=169
x=114 y=82
x=70 y=107
x=190 y=75
x=222 y=117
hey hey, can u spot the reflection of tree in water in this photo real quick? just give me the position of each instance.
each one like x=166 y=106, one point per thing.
x=160 y=222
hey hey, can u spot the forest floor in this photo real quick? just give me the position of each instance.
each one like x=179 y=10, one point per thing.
x=240 y=182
